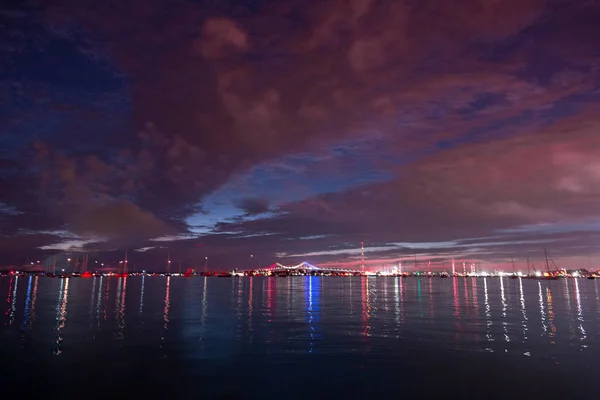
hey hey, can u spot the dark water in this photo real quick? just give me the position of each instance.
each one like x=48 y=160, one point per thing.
x=301 y=337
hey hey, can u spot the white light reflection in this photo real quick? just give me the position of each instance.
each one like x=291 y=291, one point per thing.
x=504 y=306
x=550 y=315
x=488 y=314
x=142 y=293
x=579 y=312
x=239 y=304
x=203 y=314
x=104 y=310
x=366 y=306
x=567 y=296
x=13 y=303
x=523 y=312
x=61 y=314
x=8 y=299
x=474 y=296
x=542 y=313
x=385 y=296
x=402 y=309
x=250 y=308
x=99 y=301
x=166 y=311
x=204 y=305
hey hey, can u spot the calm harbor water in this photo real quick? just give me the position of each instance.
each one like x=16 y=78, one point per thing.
x=300 y=337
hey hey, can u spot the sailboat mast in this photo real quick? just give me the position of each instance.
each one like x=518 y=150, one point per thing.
x=169 y=261
x=362 y=257
x=513 y=264
x=547 y=265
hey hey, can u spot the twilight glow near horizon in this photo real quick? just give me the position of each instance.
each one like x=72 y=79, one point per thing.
x=294 y=132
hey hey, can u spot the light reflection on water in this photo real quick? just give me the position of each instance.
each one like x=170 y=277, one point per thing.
x=367 y=320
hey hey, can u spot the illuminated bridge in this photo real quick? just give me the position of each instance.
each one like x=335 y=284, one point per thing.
x=304 y=266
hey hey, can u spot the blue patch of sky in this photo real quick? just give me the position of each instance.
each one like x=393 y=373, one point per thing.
x=592 y=226
x=297 y=177
x=220 y=212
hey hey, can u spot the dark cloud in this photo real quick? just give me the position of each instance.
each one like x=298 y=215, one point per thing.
x=119 y=219
x=253 y=206
x=358 y=120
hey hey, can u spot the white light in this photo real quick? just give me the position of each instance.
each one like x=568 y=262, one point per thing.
x=538 y=273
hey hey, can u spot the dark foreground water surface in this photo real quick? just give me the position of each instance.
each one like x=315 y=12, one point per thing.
x=299 y=337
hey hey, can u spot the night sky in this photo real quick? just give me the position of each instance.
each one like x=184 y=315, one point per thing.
x=295 y=130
